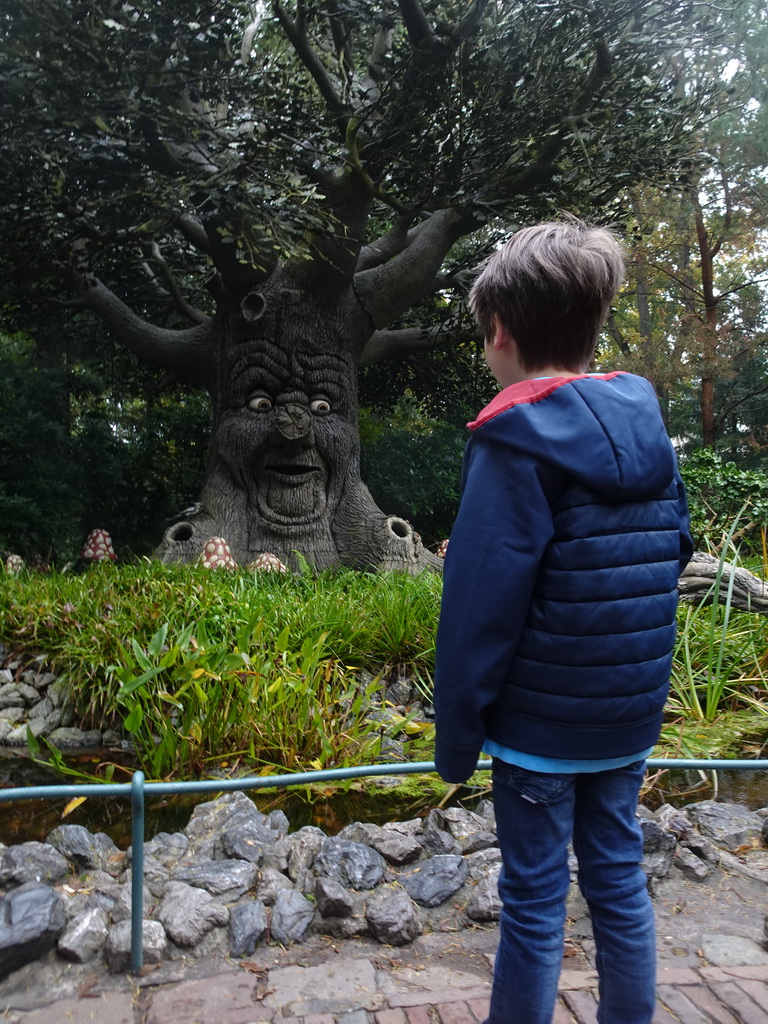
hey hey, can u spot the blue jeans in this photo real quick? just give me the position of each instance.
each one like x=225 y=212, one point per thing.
x=536 y=815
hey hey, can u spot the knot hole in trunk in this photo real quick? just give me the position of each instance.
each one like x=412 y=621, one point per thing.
x=400 y=528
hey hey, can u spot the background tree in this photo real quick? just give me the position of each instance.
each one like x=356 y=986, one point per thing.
x=694 y=318
x=317 y=164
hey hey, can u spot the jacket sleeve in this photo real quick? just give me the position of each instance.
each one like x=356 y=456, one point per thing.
x=503 y=526
x=686 y=543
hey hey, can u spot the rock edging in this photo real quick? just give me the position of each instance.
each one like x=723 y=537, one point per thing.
x=235 y=878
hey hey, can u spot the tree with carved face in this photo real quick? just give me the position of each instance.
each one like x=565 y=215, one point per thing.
x=317 y=163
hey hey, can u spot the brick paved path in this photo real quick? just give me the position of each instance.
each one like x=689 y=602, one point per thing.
x=704 y=995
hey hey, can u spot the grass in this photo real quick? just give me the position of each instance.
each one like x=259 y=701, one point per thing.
x=211 y=670
x=276 y=672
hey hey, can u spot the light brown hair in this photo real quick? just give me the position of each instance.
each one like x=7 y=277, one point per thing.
x=551 y=285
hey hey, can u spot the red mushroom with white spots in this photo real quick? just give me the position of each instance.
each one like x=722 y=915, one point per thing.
x=267 y=562
x=14 y=564
x=442 y=548
x=98 y=547
x=217 y=555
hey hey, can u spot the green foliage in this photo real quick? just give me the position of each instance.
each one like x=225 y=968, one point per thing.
x=80 y=450
x=200 y=666
x=411 y=462
x=719 y=493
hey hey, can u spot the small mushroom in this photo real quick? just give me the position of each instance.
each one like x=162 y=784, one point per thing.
x=14 y=564
x=442 y=548
x=268 y=563
x=217 y=555
x=98 y=547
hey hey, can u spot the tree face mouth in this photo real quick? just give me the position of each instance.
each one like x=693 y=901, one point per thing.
x=291 y=491
x=290 y=473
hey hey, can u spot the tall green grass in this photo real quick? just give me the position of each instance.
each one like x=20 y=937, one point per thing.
x=198 y=667
x=284 y=672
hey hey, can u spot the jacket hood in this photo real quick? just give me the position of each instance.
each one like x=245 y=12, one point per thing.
x=597 y=428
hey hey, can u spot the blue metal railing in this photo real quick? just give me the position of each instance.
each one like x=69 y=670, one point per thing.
x=138 y=788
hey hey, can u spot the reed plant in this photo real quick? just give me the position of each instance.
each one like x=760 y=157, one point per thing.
x=198 y=667
x=284 y=672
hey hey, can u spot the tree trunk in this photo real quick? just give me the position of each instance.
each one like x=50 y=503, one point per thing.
x=283 y=471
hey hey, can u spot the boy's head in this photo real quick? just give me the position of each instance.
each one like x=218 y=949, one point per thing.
x=551 y=287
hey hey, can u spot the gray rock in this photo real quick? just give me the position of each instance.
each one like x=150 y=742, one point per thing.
x=481 y=863
x=84 y=850
x=673 y=820
x=270 y=884
x=12 y=713
x=18 y=737
x=230 y=879
x=730 y=826
x=398 y=849
x=121 y=910
x=248 y=842
x=436 y=879
x=702 y=847
x=436 y=839
x=6 y=676
x=691 y=865
x=484 y=904
x=85 y=936
x=656 y=839
x=391 y=916
x=412 y=827
x=278 y=823
x=166 y=848
x=31 y=919
x=351 y=864
x=5 y=730
x=31 y=862
x=332 y=899
x=304 y=846
x=10 y=696
x=156 y=877
x=43 y=708
x=188 y=913
x=291 y=916
x=210 y=820
x=657 y=865
x=71 y=738
x=118 y=947
x=28 y=694
x=247 y=925
x=362 y=832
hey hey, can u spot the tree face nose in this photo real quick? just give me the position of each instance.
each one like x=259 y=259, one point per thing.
x=293 y=421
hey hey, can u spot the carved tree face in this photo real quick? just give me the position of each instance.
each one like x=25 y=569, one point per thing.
x=287 y=432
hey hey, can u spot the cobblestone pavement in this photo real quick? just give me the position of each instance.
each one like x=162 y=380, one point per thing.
x=339 y=989
x=713 y=969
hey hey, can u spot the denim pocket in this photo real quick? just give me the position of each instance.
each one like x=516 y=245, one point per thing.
x=536 y=787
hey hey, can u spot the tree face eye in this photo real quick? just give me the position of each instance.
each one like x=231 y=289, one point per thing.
x=320 y=407
x=260 y=403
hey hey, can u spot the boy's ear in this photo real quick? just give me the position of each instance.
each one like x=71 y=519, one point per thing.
x=500 y=336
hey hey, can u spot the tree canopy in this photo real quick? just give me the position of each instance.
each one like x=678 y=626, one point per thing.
x=180 y=168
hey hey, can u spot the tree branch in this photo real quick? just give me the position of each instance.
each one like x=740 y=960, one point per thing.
x=420 y=33
x=189 y=352
x=192 y=313
x=387 y=291
x=296 y=33
x=384 y=345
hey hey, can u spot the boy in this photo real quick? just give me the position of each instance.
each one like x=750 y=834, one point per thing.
x=557 y=623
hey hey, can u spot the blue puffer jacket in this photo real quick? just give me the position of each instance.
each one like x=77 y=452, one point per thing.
x=560 y=588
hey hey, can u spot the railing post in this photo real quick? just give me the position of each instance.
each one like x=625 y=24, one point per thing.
x=137 y=872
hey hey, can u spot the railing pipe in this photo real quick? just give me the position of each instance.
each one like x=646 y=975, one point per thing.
x=137 y=872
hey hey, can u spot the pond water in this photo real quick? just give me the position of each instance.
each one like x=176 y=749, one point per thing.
x=329 y=807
